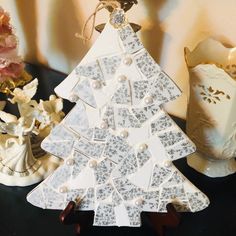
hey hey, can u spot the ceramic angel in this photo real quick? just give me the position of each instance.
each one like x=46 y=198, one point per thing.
x=16 y=127
x=117 y=142
x=23 y=162
x=24 y=95
x=46 y=113
x=50 y=112
x=18 y=166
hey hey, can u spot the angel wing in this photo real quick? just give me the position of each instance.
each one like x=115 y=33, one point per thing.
x=7 y=117
x=24 y=95
x=54 y=104
x=30 y=128
x=3 y=127
x=31 y=88
x=58 y=104
x=9 y=128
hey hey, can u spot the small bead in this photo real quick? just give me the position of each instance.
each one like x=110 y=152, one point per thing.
x=104 y=125
x=63 y=189
x=73 y=97
x=124 y=134
x=143 y=147
x=122 y=78
x=96 y=84
x=128 y=61
x=93 y=164
x=148 y=100
x=70 y=162
x=167 y=163
x=138 y=202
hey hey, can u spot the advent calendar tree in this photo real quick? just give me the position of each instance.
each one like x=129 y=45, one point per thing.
x=117 y=142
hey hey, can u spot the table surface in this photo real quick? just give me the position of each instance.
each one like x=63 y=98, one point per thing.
x=20 y=218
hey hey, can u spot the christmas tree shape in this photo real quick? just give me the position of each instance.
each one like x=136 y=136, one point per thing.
x=117 y=142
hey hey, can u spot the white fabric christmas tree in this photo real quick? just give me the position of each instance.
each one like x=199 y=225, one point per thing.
x=117 y=142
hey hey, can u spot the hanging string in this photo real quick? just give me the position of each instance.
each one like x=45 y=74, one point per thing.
x=101 y=5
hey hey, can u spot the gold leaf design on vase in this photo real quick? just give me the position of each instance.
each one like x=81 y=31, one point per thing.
x=211 y=95
x=230 y=69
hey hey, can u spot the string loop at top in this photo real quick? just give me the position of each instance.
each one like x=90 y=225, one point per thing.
x=101 y=5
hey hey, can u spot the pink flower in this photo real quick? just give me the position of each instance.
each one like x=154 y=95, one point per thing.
x=13 y=71
x=11 y=65
x=7 y=42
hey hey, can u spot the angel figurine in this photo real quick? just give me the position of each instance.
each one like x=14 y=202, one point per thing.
x=21 y=161
x=18 y=166
x=16 y=127
x=45 y=113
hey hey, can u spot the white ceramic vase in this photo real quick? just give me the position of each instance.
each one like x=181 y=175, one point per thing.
x=211 y=116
